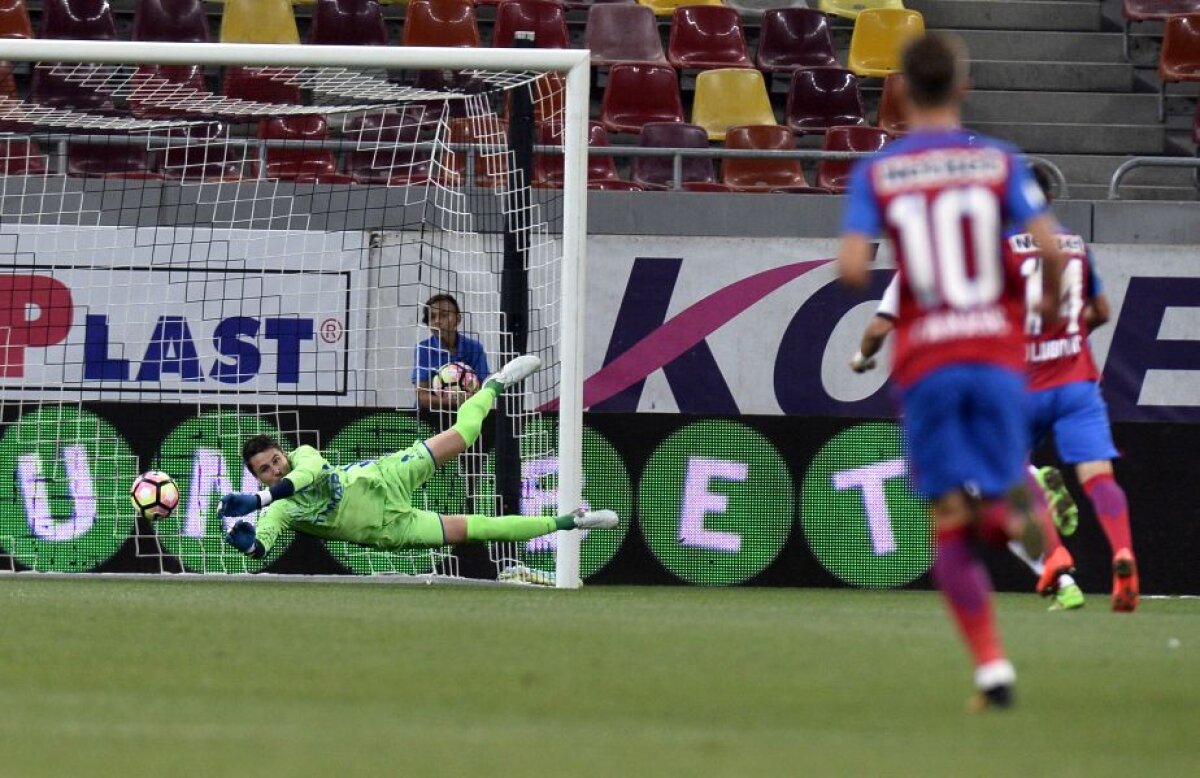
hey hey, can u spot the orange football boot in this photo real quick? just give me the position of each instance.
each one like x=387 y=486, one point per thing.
x=1059 y=562
x=1125 y=582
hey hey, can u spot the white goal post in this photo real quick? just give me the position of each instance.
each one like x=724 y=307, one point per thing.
x=572 y=64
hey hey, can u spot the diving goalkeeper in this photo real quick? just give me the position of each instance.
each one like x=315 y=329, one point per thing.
x=370 y=502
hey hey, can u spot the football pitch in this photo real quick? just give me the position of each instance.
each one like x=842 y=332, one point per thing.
x=162 y=677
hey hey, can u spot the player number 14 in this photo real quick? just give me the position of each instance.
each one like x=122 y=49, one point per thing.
x=1072 y=294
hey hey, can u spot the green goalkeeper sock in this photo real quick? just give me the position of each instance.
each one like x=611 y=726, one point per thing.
x=473 y=411
x=480 y=528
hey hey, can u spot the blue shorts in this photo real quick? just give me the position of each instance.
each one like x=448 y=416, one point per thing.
x=1077 y=415
x=967 y=427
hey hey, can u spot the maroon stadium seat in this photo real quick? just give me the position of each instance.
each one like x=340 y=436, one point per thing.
x=834 y=175
x=623 y=33
x=1153 y=11
x=545 y=19
x=658 y=173
x=1179 y=59
x=820 y=98
x=638 y=93
x=891 y=106
x=707 y=36
x=763 y=175
x=181 y=21
x=347 y=23
x=440 y=23
x=792 y=38
x=601 y=171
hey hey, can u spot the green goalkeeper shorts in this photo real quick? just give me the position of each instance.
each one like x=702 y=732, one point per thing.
x=404 y=526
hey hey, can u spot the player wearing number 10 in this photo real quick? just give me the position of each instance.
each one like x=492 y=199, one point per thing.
x=944 y=199
x=369 y=503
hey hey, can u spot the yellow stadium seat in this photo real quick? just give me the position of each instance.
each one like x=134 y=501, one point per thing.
x=728 y=97
x=259 y=21
x=667 y=7
x=850 y=9
x=879 y=37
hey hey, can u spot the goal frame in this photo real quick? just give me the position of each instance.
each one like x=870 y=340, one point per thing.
x=573 y=63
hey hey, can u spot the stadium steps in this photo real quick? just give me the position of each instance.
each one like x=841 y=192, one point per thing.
x=1062 y=107
x=1022 y=15
x=1088 y=176
x=1047 y=46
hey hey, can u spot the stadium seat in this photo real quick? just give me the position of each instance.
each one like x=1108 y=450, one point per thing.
x=181 y=21
x=762 y=175
x=440 y=23
x=878 y=38
x=820 y=98
x=199 y=153
x=347 y=23
x=667 y=7
x=850 y=9
x=834 y=175
x=707 y=37
x=90 y=20
x=793 y=38
x=756 y=8
x=95 y=160
x=601 y=171
x=638 y=93
x=259 y=21
x=300 y=165
x=377 y=159
x=891 y=106
x=1179 y=59
x=488 y=135
x=729 y=97
x=546 y=19
x=76 y=20
x=1152 y=11
x=1196 y=126
x=14 y=20
x=658 y=173
x=21 y=157
x=622 y=33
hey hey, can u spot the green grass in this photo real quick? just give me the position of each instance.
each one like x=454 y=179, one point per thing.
x=219 y=678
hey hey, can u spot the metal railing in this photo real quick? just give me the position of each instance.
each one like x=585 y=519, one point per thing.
x=1183 y=162
x=167 y=142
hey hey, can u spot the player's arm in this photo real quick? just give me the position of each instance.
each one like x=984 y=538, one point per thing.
x=256 y=541
x=1097 y=311
x=877 y=330
x=860 y=225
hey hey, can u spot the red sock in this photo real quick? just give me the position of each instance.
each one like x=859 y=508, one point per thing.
x=1041 y=510
x=1112 y=509
x=965 y=586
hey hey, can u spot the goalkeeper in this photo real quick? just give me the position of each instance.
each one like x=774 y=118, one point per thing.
x=370 y=503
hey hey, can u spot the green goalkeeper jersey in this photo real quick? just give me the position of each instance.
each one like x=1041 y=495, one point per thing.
x=339 y=503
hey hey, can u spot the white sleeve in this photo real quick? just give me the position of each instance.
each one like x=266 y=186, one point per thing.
x=889 y=304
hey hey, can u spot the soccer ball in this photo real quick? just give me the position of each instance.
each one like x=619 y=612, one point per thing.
x=455 y=377
x=154 y=495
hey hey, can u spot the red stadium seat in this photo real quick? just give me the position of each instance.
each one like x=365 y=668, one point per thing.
x=180 y=21
x=347 y=23
x=488 y=136
x=1179 y=59
x=892 y=116
x=820 y=98
x=74 y=20
x=601 y=171
x=658 y=173
x=545 y=19
x=377 y=159
x=14 y=20
x=1152 y=11
x=792 y=38
x=623 y=33
x=834 y=175
x=640 y=93
x=300 y=165
x=440 y=23
x=707 y=36
x=200 y=153
x=763 y=175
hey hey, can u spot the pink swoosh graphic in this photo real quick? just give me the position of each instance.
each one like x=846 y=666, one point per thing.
x=685 y=330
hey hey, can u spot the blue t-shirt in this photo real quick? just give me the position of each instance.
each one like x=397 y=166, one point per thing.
x=432 y=355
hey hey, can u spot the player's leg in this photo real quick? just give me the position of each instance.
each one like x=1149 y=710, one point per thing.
x=935 y=436
x=1085 y=438
x=475 y=528
x=468 y=424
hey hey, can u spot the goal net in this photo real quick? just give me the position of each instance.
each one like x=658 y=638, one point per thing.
x=206 y=242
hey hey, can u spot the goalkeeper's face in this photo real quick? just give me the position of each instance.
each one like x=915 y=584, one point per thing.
x=270 y=466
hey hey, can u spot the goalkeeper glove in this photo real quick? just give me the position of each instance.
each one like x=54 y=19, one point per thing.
x=241 y=536
x=239 y=504
x=861 y=364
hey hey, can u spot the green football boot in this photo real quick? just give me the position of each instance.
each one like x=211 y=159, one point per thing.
x=1067 y=598
x=1062 y=504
